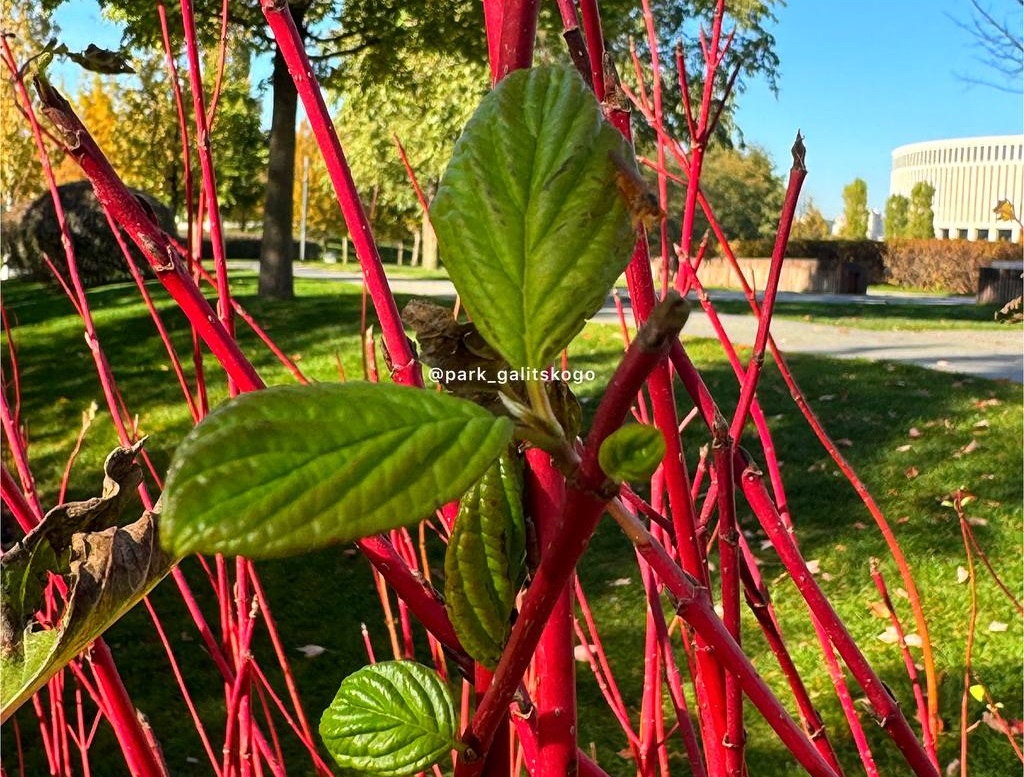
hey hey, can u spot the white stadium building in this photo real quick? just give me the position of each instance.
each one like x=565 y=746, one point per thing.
x=970 y=176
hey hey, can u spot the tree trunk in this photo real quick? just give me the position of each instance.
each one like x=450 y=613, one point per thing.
x=428 y=245
x=277 y=251
x=415 y=259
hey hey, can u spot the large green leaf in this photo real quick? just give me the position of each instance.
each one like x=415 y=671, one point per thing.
x=390 y=719
x=294 y=468
x=108 y=569
x=530 y=221
x=486 y=559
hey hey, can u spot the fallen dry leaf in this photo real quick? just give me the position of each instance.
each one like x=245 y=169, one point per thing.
x=814 y=566
x=982 y=424
x=914 y=432
x=582 y=652
x=998 y=626
x=912 y=472
x=618 y=582
x=968 y=448
x=1003 y=726
x=914 y=640
x=860 y=526
x=879 y=610
x=962 y=575
x=977 y=521
x=904 y=448
x=889 y=636
x=846 y=442
x=312 y=651
x=981 y=404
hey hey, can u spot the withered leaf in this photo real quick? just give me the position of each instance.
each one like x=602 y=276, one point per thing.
x=471 y=369
x=108 y=569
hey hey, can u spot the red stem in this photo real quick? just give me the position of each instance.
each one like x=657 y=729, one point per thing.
x=709 y=678
x=555 y=693
x=678 y=696
x=206 y=164
x=760 y=605
x=406 y=367
x=972 y=620
x=128 y=212
x=694 y=606
x=139 y=756
x=888 y=712
x=908 y=662
x=176 y=671
x=728 y=539
x=796 y=179
x=493 y=10
x=585 y=502
x=26 y=517
x=518 y=33
x=595 y=44
x=830 y=447
x=651 y=740
x=598 y=661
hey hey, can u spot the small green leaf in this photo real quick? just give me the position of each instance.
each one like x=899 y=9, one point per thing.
x=632 y=452
x=529 y=218
x=485 y=560
x=295 y=468
x=978 y=692
x=390 y=719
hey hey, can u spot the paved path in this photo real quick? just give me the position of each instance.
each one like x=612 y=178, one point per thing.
x=985 y=353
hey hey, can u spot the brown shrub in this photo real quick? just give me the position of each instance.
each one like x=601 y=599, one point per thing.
x=867 y=253
x=943 y=264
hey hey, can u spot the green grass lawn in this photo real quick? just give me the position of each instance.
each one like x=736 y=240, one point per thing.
x=322 y=598
x=392 y=270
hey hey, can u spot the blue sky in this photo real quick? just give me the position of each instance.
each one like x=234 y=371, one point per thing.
x=858 y=79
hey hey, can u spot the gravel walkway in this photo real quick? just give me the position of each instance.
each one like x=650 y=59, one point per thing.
x=997 y=354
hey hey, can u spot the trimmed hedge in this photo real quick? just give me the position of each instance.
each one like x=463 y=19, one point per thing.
x=869 y=254
x=32 y=232
x=243 y=246
x=944 y=264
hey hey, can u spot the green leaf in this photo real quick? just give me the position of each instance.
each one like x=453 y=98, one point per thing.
x=486 y=559
x=390 y=719
x=977 y=692
x=295 y=468
x=108 y=570
x=532 y=227
x=632 y=452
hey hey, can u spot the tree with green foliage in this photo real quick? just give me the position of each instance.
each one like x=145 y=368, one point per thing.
x=378 y=33
x=920 y=216
x=744 y=192
x=332 y=32
x=20 y=174
x=897 y=209
x=135 y=122
x=811 y=223
x=371 y=117
x=855 y=210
